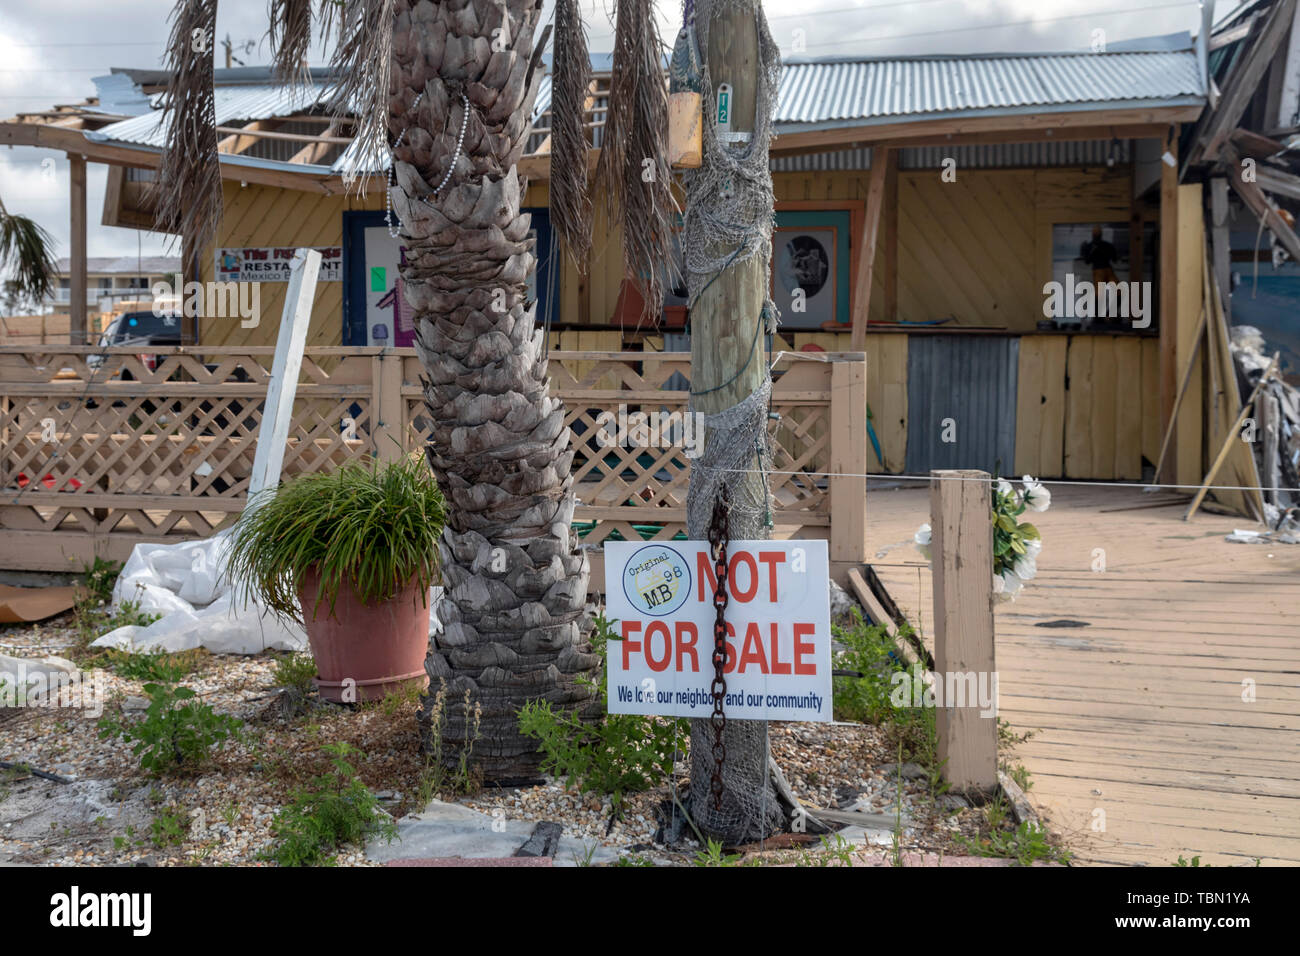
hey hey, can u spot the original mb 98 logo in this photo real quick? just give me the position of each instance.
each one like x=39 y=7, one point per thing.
x=657 y=580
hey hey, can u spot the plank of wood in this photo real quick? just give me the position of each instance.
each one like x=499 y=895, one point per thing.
x=278 y=414
x=1102 y=418
x=1168 y=278
x=1079 y=408
x=1243 y=82
x=867 y=245
x=1233 y=435
x=1186 y=379
x=1128 y=414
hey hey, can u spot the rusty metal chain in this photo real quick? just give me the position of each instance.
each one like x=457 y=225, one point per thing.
x=718 y=549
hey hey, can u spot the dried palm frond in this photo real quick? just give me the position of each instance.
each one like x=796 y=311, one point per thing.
x=189 y=177
x=570 y=89
x=633 y=173
x=290 y=36
x=363 y=62
x=26 y=250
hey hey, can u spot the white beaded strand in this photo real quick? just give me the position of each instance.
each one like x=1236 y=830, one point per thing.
x=451 y=167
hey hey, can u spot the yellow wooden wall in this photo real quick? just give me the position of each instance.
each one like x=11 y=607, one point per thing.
x=977 y=249
x=270 y=216
x=1099 y=418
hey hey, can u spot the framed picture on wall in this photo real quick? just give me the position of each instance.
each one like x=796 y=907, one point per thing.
x=810 y=267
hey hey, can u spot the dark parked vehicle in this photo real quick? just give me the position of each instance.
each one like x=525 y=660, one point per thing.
x=131 y=329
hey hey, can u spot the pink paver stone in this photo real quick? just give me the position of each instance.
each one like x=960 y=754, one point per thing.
x=473 y=861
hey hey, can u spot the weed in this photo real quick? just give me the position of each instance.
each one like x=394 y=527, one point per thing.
x=395 y=702
x=1194 y=861
x=465 y=778
x=297 y=671
x=1025 y=844
x=99 y=578
x=996 y=812
x=338 y=810
x=168 y=828
x=835 y=853
x=152 y=666
x=230 y=814
x=1021 y=776
x=615 y=755
x=870 y=651
x=177 y=731
x=712 y=855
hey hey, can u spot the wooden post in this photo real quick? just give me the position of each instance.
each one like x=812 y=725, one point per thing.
x=1219 y=237
x=78 y=330
x=962 y=545
x=277 y=416
x=890 y=238
x=1189 y=430
x=849 y=449
x=1168 y=279
x=387 y=427
x=861 y=301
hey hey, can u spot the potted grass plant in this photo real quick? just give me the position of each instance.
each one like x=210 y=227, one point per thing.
x=349 y=554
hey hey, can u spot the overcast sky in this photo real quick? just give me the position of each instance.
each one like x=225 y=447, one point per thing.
x=51 y=58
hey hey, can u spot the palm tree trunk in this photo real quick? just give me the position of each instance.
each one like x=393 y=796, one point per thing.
x=514 y=627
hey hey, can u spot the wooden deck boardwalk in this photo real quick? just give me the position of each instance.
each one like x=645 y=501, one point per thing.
x=1137 y=709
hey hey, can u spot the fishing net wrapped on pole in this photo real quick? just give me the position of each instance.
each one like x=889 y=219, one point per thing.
x=727 y=230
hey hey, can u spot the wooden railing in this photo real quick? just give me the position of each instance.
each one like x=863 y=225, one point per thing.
x=100 y=451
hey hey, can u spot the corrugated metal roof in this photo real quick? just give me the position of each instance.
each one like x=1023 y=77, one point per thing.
x=1090 y=152
x=233 y=104
x=879 y=90
x=839 y=92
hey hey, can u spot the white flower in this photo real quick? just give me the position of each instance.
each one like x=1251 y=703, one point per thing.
x=1033 y=546
x=1004 y=487
x=1005 y=586
x=922 y=541
x=1025 y=566
x=1036 y=497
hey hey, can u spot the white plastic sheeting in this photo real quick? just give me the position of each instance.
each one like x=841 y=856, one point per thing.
x=186 y=584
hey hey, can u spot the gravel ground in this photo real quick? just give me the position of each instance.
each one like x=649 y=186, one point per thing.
x=104 y=818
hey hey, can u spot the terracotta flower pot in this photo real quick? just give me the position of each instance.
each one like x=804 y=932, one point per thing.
x=365 y=651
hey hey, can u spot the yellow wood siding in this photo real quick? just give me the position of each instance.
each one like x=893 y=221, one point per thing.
x=269 y=216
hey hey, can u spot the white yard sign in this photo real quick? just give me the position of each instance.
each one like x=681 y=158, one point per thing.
x=778 y=629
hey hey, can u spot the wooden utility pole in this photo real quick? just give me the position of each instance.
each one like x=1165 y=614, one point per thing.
x=727 y=365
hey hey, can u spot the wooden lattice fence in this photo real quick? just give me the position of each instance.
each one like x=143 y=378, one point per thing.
x=104 y=448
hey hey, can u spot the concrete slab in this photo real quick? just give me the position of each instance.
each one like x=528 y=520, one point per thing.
x=446 y=830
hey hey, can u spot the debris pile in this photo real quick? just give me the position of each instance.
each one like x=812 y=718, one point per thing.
x=1276 y=442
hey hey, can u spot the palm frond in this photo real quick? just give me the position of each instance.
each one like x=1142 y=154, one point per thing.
x=290 y=36
x=362 y=59
x=189 y=177
x=571 y=86
x=26 y=250
x=633 y=174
